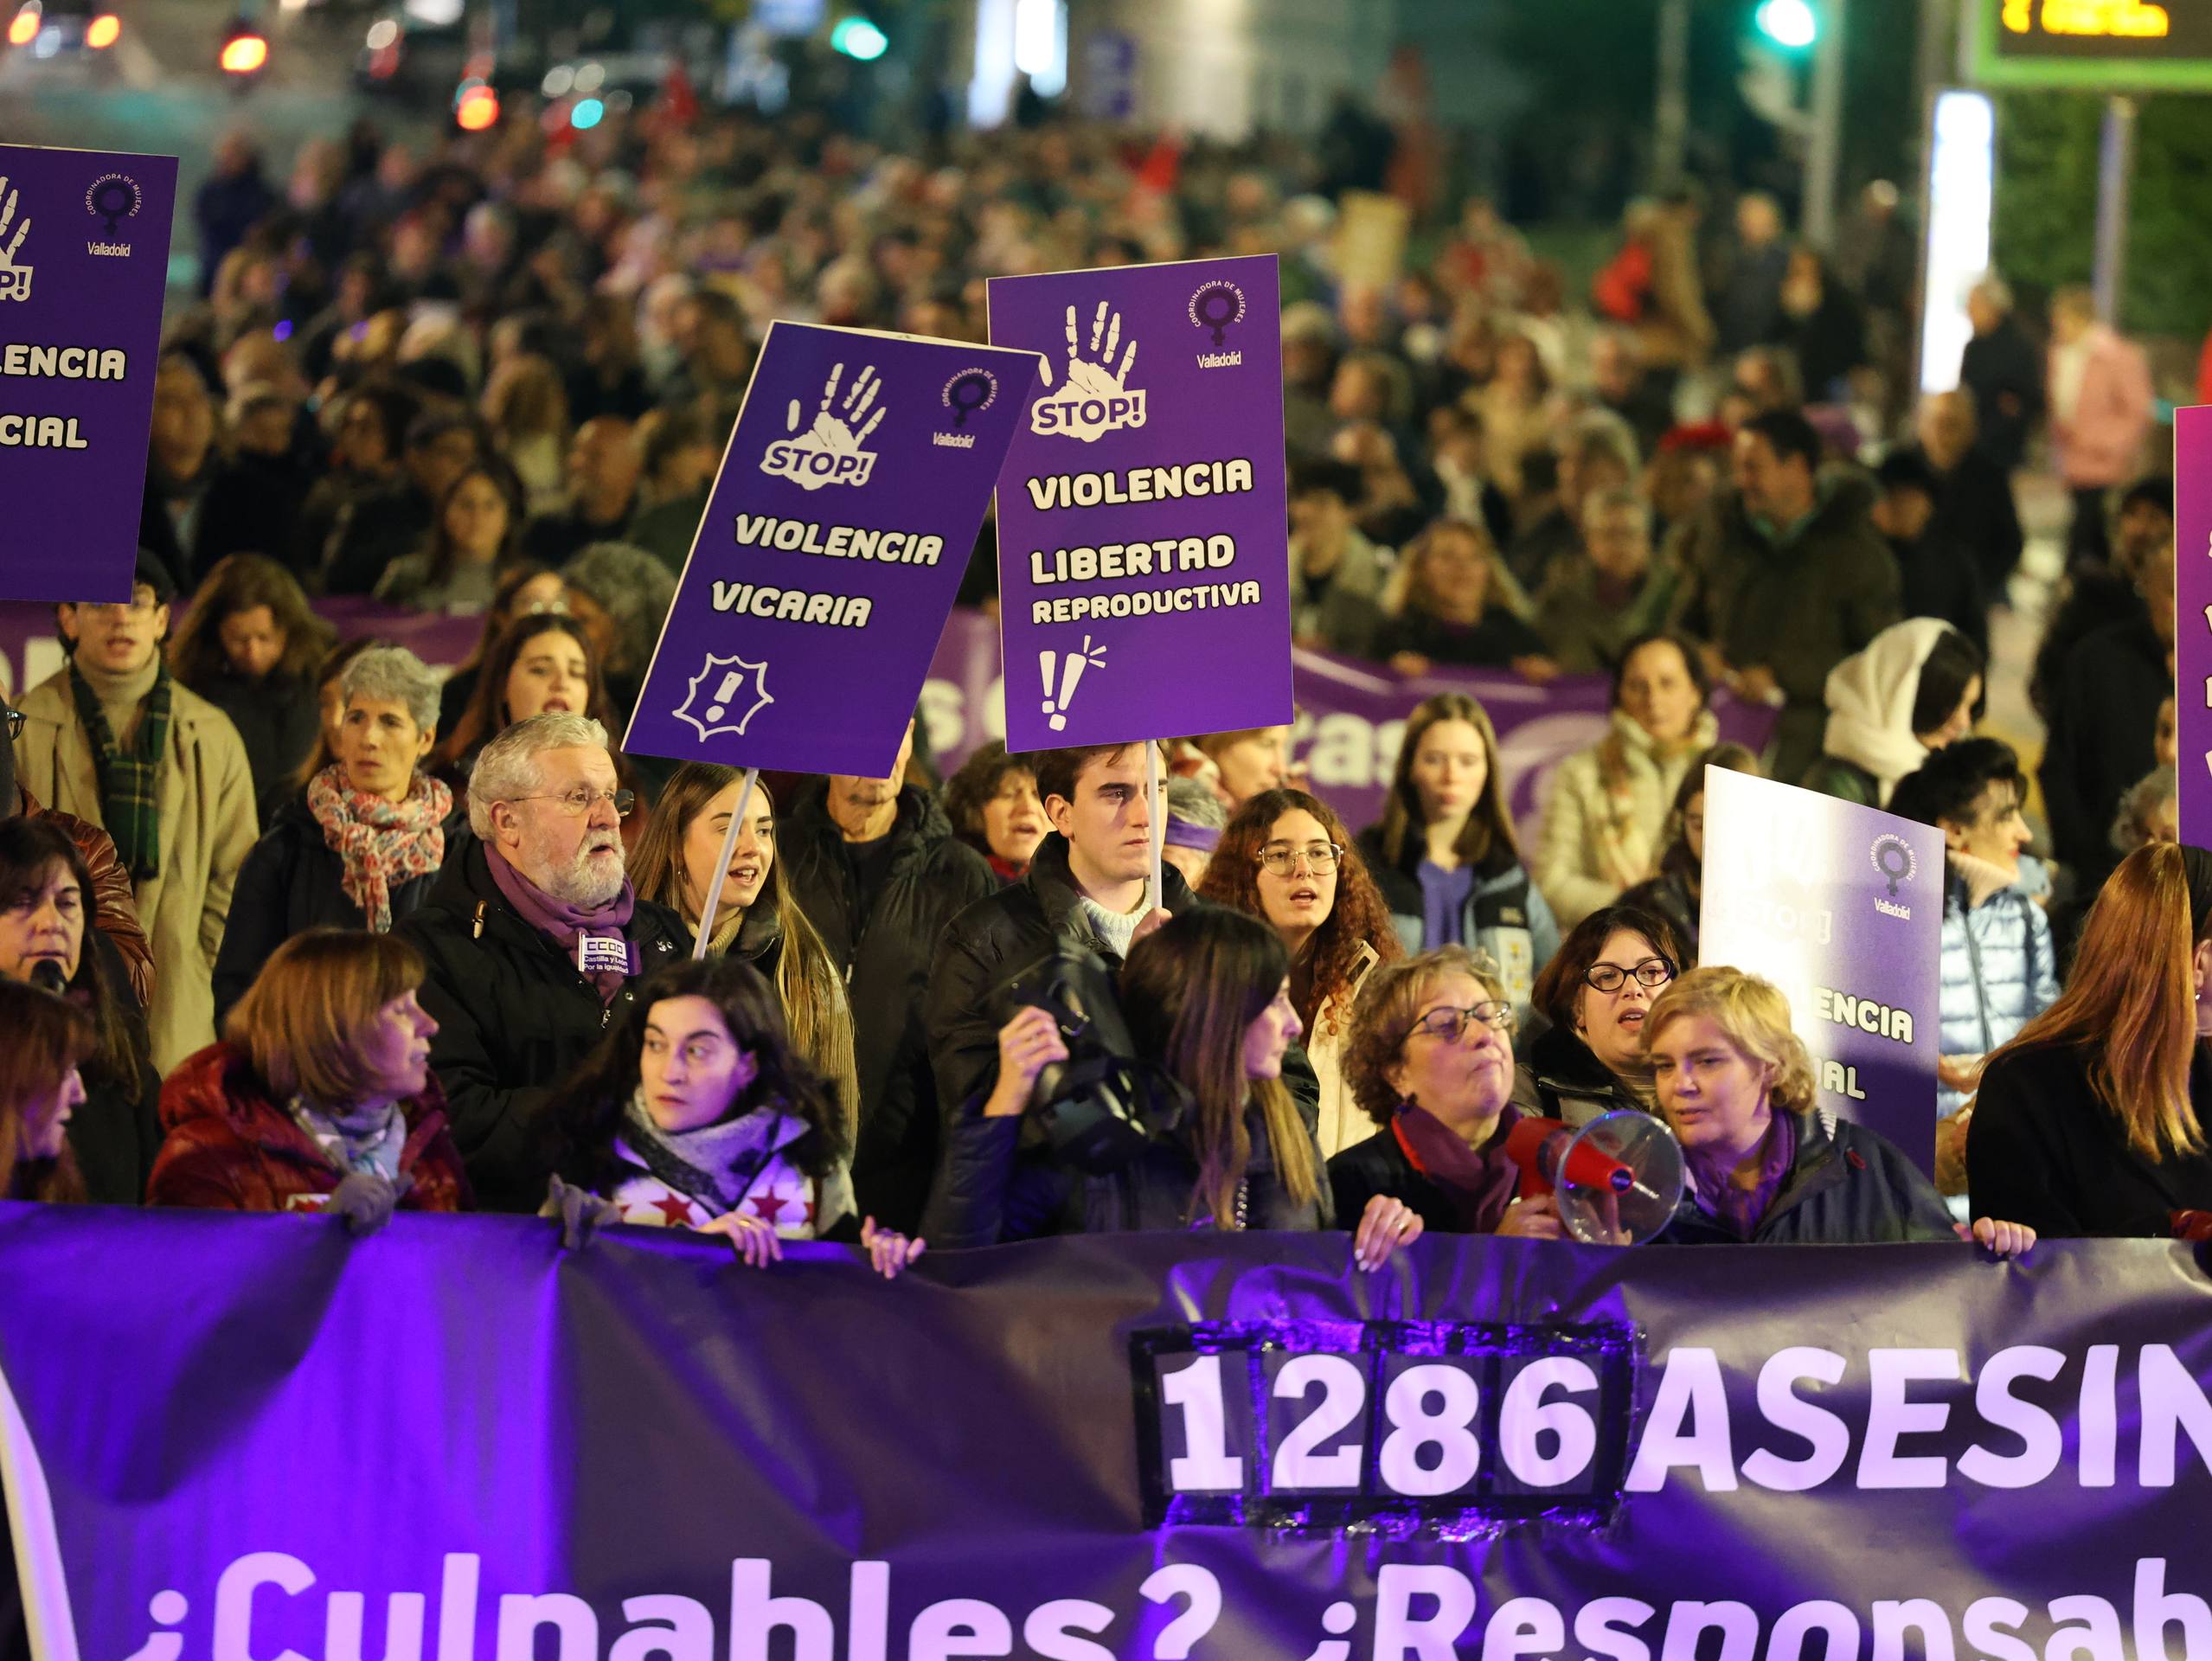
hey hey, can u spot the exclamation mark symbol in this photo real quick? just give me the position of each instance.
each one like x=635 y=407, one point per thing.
x=723 y=694
x=1045 y=660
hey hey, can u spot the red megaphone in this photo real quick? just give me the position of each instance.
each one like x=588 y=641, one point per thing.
x=1538 y=1145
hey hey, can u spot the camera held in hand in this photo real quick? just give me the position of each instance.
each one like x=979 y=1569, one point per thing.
x=1103 y=1106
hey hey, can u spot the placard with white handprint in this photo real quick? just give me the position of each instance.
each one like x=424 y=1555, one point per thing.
x=1144 y=568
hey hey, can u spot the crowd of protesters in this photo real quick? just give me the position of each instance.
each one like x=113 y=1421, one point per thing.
x=287 y=923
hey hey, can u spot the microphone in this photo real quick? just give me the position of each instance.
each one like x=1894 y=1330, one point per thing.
x=48 y=977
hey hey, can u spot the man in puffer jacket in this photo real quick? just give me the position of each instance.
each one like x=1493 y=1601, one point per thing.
x=1999 y=966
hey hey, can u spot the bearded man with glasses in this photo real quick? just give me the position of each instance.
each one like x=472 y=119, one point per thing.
x=534 y=940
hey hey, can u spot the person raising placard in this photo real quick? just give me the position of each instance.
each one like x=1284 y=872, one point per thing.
x=2091 y=1122
x=1764 y=1164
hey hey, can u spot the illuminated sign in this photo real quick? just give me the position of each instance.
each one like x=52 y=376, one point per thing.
x=2112 y=44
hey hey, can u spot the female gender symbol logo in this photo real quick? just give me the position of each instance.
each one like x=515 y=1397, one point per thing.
x=1893 y=859
x=1216 y=307
x=969 y=391
x=111 y=199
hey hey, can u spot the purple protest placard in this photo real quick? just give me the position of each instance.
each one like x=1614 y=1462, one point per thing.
x=1143 y=544
x=832 y=546
x=1841 y=906
x=84 y=258
x=2193 y=620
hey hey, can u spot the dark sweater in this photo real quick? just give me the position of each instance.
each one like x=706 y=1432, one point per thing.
x=2042 y=1150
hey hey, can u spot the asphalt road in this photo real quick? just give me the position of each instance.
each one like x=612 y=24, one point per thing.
x=159 y=90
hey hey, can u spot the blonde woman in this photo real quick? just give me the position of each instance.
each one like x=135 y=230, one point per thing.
x=1451 y=602
x=1765 y=1165
x=757 y=919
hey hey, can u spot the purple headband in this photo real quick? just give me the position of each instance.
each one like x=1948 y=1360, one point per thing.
x=1182 y=833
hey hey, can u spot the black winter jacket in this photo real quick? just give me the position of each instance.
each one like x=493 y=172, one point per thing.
x=1007 y=930
x=2042 y=1150
x=1847 y=1186
x=514 y=1017
x=1002 y=1183
x=293 y=879
x=1561 y=1078
x=279 y=720
x=885 y=954
x=1379 y=1165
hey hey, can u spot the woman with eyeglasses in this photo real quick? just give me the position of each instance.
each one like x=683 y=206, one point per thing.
x=1444 y=854
x=361 y=846
x=1285 y=859
x=1596 y=994
x=1431 y=1065
x=757 y=918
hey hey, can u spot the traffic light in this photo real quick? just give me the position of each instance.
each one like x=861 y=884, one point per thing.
x=475 y=108
x=1792 y=23
x=858 y=37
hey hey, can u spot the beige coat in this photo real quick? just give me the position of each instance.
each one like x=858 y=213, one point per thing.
x=1342 y=1120
x=207 y=827
x=1598 y=841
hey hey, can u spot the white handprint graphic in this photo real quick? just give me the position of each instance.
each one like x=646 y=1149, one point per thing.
x=829 y=450
x=1097 y=398
x=14 y=279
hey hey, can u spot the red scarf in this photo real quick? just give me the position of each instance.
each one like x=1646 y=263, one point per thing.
x=1479 y=1182
x=381 y=844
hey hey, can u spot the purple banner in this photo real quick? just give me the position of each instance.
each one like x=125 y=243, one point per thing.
x=1351 y=717
x=1841 y=906
x=2193 y=620
x=1144 y=543
x=831 y=550
x=84 y=259
x=238 y=1436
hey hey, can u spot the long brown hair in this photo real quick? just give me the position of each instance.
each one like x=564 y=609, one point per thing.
x=1409 y=589
x=237 y=583
x=1190 y=990
x=1677 y=860
x=46 y=1036
x=486 y=716
x=442 y=558
x=1358 y=923
x=2131 y=1002
x=1489 y=830
x=30 y=851
x=808 y=985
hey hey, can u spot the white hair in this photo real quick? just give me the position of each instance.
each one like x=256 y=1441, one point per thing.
x=393 y=675
x=508 y=769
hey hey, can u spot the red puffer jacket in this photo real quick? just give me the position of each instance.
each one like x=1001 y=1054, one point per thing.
x=229 y=1147
x=115 y=906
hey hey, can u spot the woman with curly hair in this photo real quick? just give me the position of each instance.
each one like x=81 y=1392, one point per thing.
x=250 y=646
x=994 y=808
x=1288 y=859
x=697 y=1112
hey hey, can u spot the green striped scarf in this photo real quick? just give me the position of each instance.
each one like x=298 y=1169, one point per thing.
x=130 y=780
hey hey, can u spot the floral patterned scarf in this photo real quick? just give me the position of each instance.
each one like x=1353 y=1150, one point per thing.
x=381 y=844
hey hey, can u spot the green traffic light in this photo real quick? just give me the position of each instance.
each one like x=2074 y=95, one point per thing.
x=856 y=37
x=1792 y=23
